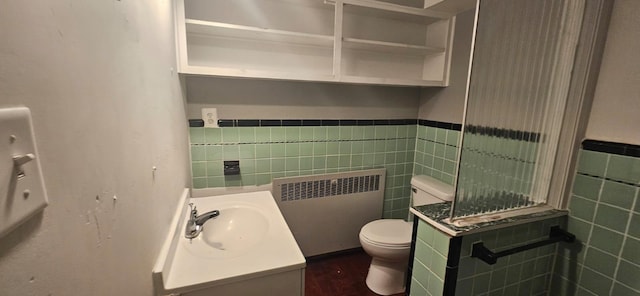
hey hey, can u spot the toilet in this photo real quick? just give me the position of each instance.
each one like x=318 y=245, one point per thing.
x=388 y=241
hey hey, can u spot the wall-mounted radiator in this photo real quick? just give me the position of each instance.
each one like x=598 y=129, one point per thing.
x=325 y=212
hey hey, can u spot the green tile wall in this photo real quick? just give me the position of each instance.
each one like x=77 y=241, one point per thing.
x=525 y=273
x=272 y=152
x=429 y=261
x=436 y=153
x=605 y=217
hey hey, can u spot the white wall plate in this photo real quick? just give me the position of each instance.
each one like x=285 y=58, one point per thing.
x=22 y=190
x=210 y=117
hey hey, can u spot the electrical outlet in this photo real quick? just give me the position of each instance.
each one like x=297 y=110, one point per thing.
x=210 y=117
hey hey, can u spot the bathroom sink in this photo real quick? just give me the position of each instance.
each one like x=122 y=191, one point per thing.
x=236 y=230
x=239 y=228
x=246 y=250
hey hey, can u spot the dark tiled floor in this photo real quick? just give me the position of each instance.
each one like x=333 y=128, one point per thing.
x=338 y=275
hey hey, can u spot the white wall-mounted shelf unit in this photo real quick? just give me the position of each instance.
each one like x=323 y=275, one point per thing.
x=247 y=32
x=353 y=41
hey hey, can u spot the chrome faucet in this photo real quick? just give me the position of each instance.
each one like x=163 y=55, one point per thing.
x=195 y=223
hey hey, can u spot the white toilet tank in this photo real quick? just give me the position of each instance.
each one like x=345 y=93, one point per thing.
x=426 y=190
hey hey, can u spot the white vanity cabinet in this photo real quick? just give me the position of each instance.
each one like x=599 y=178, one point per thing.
x=354 y=41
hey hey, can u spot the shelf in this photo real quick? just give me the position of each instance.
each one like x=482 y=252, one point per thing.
x=243 y=73
x=389 y=47
x=247 y=32
x=453 y=7
x=389 y=81
x=380 y=42
x=248 y=57
x=385 y=6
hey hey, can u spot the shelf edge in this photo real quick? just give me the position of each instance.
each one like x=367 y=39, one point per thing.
x=398 y=8
x=217 y=25
x=392 y=46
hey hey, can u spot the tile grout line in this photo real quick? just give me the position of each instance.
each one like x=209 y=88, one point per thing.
x=613 y=281
x=592 y=225
x=599 y=226
x=553 y=266
x=624 y=241
x=608 y=179
x=606 y=204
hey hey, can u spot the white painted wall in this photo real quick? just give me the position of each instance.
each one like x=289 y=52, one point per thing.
x=271 y=99
x=615 y=114
x=447 y=104
x=107 y=108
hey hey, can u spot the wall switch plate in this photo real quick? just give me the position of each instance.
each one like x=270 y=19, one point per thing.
x=210 y=117
x=22 y=190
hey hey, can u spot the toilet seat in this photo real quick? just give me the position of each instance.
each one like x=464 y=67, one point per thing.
x=387 y=233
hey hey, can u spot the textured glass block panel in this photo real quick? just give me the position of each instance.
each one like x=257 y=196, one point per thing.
x=522 y=64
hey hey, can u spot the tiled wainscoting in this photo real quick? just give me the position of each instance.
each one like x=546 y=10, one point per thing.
x=270 y=149
x=443 y=265
x=525 y=273
x=437 y=151
x=429 y=264
x=605 y=217
x=604 y=208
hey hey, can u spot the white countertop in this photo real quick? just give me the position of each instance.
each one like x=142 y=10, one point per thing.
x=276 y=252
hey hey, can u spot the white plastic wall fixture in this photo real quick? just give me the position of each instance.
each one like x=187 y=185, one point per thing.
x=210 y=117
x=22 y=190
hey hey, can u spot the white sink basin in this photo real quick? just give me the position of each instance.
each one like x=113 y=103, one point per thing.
x=238 y=229
x=248 y=247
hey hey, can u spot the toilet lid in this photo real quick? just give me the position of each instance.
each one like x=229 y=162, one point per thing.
x=388 y=232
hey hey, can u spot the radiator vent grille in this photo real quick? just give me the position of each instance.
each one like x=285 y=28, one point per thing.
x=328 y=187
x=332 y=207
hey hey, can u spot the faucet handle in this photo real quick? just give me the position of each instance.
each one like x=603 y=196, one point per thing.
x=192 y=208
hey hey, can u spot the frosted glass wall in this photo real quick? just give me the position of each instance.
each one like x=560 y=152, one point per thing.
x=522 y=60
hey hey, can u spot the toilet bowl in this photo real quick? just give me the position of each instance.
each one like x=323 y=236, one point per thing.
x=388 y=241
